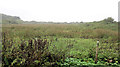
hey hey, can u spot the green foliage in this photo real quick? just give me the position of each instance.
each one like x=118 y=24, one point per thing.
x=59 y=44
x=86 y=62
x=6 y=19
x=109 y=19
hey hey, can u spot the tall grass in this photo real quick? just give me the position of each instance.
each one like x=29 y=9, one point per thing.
x=58 y=42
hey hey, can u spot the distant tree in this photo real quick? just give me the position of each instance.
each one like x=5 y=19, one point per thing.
x=65 y=22
x=81 y=22
x=115 y=21
x=9 y=22
x=94 y=21
x=76 y=22
x=109 y=19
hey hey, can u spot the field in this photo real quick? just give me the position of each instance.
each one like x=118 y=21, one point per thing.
x=60 y=44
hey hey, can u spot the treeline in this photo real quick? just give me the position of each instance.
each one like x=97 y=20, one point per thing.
x=7 y=19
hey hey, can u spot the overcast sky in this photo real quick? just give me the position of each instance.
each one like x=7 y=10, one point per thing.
x=60 y=10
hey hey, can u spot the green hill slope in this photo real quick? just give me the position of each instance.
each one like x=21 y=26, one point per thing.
x=7 y=19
